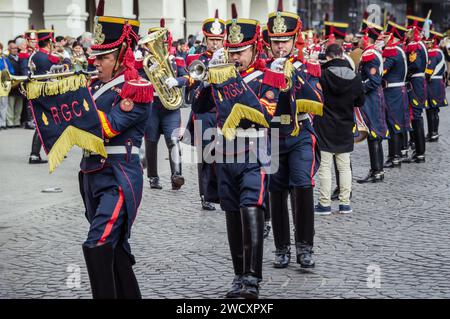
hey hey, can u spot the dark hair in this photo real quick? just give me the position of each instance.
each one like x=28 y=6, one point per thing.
x=334 y=51
x=11 y=41
x=59 y=38
x=43 y=43
x=76 y=44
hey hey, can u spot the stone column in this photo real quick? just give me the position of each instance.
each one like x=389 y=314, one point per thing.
x=67 y=16
x=14 y=16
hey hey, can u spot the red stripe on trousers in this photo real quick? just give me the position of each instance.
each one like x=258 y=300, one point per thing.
x=261 y=191
x=314 y=159
x=113 y=218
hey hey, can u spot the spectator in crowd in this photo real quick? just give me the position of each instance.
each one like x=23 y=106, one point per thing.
x=4 y=92
x=15 y=100
x=79 y=58
x=342 y=90
x=60 y=47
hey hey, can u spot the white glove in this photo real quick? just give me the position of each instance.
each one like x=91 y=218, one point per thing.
x=278 y=65
x=218 y=57
x=171 y=82
x=153 y=67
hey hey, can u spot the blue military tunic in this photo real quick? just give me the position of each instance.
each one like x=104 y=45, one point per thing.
x=242 y=180
x=417 y=89
x=395 y=94
x=297 y=153
x=112 y=188
x=374 y=108
x=162 y=120
x=436 y=71
x=42 y=61
x=207 y=119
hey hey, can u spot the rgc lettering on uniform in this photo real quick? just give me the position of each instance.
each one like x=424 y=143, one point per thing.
x=246 y=308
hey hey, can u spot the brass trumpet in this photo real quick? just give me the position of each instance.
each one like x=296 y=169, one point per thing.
x=9 y=81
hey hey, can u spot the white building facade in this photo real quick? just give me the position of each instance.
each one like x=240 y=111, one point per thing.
x=73 y=17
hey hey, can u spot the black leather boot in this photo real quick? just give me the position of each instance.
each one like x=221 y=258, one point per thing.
x=419 y=140
x=100 y=267
x=430 y=120
x=36 y=145
x=234 y=232
x=304 y=225
x=177 y=179
x=252 y=236
x=435 y=132
x=201 y=189
x=126 y=284
x=151 y=153
x=394 y=151
x=280 y=228
x=404 y=147
x=376 y=168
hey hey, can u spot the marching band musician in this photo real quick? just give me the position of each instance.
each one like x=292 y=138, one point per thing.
x=299 y=158
x=164 y=121
x=214 y=32
x=417 y=86
x=374 y=108
x=395 y=94
x=435 y=74
x=242 y=184
x=111 y=187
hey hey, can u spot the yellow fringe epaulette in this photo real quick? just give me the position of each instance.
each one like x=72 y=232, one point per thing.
x=238 y=113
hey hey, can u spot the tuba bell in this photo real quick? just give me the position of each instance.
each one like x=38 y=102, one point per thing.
x=158 y=68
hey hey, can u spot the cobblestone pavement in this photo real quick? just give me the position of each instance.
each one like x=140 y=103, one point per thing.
x=399 y=230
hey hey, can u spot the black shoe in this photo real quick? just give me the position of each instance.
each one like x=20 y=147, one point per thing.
x=207 y=205
x=304 y=256
x=392 y=162
x=335 y=195
x=417 y=158
x=177 y=182
x=29 y=126
x=282 y=257
x=36 y=159
x=372 y=177
x=154 y=183
x=250 y=287
x=236 y=287
x=266 y=229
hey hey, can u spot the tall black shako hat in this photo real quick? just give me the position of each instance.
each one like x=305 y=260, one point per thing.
x=214 y=28
x=338 y=29
x=114 y=33
x=372 y=30
x=241 y=33
x=396 y=30
x=283 y=25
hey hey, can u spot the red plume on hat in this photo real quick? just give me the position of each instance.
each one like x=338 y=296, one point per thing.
x=162 y=23
x=280 y=6
x=216 y=14
x=100 y=8
x=234 y=13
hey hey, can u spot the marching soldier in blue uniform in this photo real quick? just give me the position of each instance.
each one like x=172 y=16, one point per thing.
x=297 y=153
x=435 y=74
x=245 y=98
x=163 y=120
x=374 y=108
x=417 y=86
x=214 y=32
x=395 y=94
x=40 y=62
x=112 y=187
